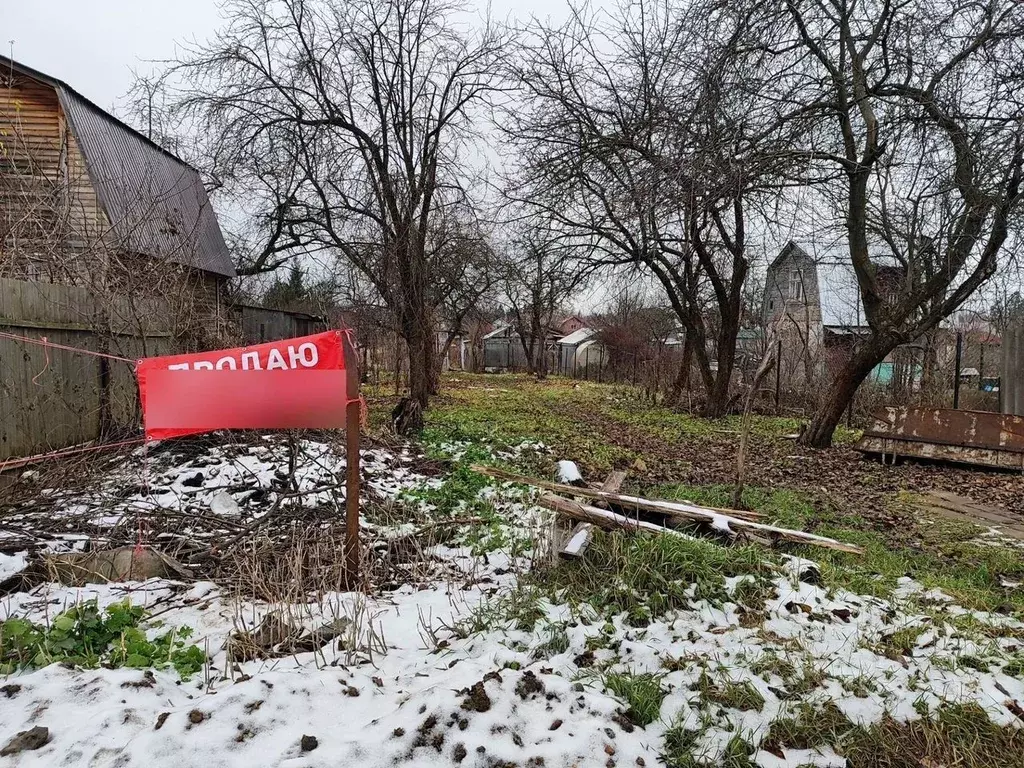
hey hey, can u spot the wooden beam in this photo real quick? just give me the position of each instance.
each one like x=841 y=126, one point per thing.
x=580 y=536
x=667 y=508
x=607 y=519
x=601 y=517
x=682 y=513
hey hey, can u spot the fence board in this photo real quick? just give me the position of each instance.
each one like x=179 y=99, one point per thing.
x=50 y=398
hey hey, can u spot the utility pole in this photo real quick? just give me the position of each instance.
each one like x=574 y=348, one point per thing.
x=956 y=381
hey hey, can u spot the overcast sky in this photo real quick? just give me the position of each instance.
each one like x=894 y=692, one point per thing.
x=93 y=45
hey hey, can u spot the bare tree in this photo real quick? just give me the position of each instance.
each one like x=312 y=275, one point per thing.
x=464 y=281
x=639 y=141
x=919 y=120
x=340 y=126
x=538 y=276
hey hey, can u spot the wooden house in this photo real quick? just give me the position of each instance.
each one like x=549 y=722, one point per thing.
x=108 y=244
x=87 y=200
x=813 y=305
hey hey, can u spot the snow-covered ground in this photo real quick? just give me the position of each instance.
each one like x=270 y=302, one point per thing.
x=191 y=490
x=439 y=673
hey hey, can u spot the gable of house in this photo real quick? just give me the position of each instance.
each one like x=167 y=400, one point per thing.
x=791 y=286
x=570 y=324
x=75 y=167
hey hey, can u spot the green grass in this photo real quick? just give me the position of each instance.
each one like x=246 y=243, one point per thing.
x=459 y=496
x=770 y=664
x=956 y=735
x=960 y=735
x=506 y=410
x=900 y=642
x=556 y=641
x=808 y=727
x=943 y=556
x=678 y=751
x=643 y=693
x=645 y=576
x=519 y=608
x=733 y=695
x=578 y=419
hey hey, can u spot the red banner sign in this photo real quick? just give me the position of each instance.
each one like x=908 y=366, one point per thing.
x=290 y=384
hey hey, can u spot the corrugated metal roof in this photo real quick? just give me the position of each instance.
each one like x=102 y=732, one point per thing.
x=498 y=331
x=577 y=337
x=155 y=201
x=839 y=294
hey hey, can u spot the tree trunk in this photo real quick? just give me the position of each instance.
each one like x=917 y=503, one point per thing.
x=718 y=395
x=818 y=433
x=540 y=365
x=408 y=416
x=421 y=366
x=682 y=380
x=767 y=363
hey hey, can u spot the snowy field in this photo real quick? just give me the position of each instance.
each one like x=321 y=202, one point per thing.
x=471 y=663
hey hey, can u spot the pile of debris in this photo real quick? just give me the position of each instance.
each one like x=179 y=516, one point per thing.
x=612 y=510
x=193 y=508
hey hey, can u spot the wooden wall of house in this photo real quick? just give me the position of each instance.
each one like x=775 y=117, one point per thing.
x=49 y=210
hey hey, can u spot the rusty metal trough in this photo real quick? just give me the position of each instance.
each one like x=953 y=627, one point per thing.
x=979 y=438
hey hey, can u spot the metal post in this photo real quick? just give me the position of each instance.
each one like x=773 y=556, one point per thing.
x=1015 y=372
x=352 y=427
x=956 y=381
x=778 y=376
x=600 y=365
x=981 y=365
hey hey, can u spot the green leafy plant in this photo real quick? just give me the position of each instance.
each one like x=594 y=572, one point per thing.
x=85 y=636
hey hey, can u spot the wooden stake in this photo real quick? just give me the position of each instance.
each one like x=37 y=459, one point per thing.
x=352 y=427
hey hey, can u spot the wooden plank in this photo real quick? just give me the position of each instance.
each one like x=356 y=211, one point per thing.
x=601 y=517
x=49 y=325
x=668 y=508
x=685 y=513
x=1013 y=531
x=579 y=538
x=954 y=507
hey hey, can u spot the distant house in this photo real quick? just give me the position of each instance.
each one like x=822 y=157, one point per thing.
x=260 y=324
x=814 y=307
x=570 y=324
x=85 y=198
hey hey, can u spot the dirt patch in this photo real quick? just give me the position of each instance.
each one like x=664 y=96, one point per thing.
x=528 y=685
x=477 y=699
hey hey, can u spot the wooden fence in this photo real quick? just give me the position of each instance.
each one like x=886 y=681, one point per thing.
x=52 y=398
